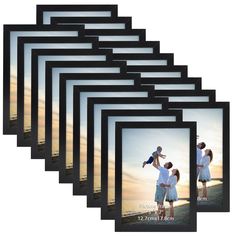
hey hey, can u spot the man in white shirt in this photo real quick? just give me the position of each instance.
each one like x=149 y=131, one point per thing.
x=161 y=181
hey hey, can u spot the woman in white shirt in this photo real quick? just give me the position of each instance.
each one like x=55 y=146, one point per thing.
x=171 y=193
x=204 y=174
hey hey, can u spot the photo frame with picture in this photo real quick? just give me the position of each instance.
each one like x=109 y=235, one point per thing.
x=142 y=200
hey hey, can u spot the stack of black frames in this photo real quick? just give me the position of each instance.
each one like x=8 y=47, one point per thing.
x=94 y=99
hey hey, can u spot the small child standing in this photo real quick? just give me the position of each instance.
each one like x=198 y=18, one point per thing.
x=154 y=155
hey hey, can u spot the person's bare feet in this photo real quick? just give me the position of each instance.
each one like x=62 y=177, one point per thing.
x=144 y=163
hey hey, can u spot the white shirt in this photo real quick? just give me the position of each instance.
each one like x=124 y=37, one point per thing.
x=199 y=156
x=205 y=161
x=163 y=176
x=172 y=181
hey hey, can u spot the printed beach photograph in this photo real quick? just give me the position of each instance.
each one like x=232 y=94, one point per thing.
x=209 y=154
x=155 y=176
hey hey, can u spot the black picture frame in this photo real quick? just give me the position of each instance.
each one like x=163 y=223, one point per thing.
x=225 y=106
x=210 y=93
x=127 y=21
x=141 y=33
x=119 y=223
x=196 y=81
x=10 y=125
x=63 y=8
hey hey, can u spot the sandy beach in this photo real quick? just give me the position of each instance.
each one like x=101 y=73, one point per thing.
x=181 y=217
x=215 y=197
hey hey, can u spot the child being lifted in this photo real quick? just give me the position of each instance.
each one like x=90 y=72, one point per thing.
x=154 y=155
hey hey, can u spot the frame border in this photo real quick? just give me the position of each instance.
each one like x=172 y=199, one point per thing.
x=93 y=20
x=191 y=227
x=76 y=7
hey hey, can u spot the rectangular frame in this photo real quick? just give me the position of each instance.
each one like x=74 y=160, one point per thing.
x=127 y=21
x=71 y=8
x=118 y=178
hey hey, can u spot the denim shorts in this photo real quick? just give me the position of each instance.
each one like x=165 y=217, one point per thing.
x=160 y=194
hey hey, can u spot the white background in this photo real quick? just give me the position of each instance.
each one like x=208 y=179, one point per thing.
x=201 y=34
